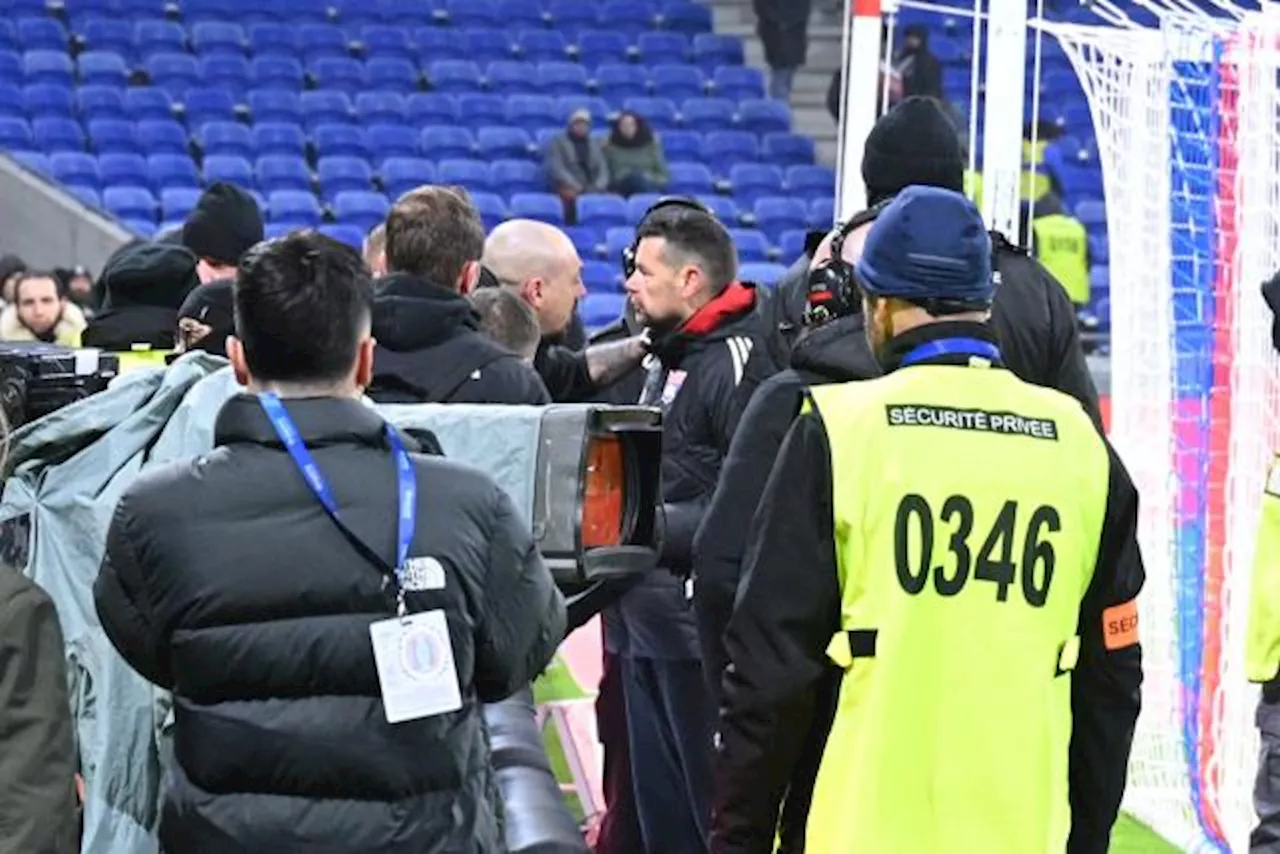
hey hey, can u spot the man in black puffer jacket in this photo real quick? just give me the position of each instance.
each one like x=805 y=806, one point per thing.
x=231 y=581
x=430 y=347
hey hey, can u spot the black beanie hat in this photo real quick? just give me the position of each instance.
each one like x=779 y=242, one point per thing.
x=151 y=274
x=914 y=143
x=211 y=305
x=225 y=222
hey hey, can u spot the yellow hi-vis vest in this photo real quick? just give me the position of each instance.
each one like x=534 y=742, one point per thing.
x=968 y=511
x=973 y=186
x=141 y=356
x=1062 y=245
x=1262 y=645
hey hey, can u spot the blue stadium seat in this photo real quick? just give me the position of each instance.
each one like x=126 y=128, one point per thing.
x=147 y=102
x=48 y=66
x=319 y=40
x=341 y=173
x=129 y=202
x=731 y=146
x=339 y=140
x=725 y=209
x=173 y=72
x=601 y=46
x=760 y=115
x=102 y=67
x=273 y=40
x=544 y=207
x=478 y=109
x=536 y=45
x=533 y=111
x=686 y=17
x=616 y=240
x=473 y=13
x=391 y=74
x=430 y=108
x=391 y=140
x=432 y=43
x=682 y=145
x=599 y=309
x=10 y=65
x=11 y=100
x=298 y=206
x=151 y=37
x=208 y=105
x=87 y=195
x=140 y=8
x=9 y=36
x=52 y=134
x=777 y=214
x=791 y=244
x=618 y=80
x=386 y=41
x=600 y=276
x=444 y=141
x=351 y=235
x=41 y=100
x=366 y=12
x=660 y=113
x=567 y=104
x=454 y=75
x=509 y=76
x=822 y=213
x=230 y=169
x=276 y=72
x=361 y=209
x=162 y=136
x=690 y=179
x=272 y=230
x=275 y=105
x=123 y=170
x=585 y=239
x=209 y=37
x=542 y=138
x=74 y=167
x=638 y=205
x=487 y=42
x=738 y=83
x=96 y=102
x=503 y=142
x=225 y=71
x=177 y=202
x=811 y=181
x=1079 y=180
x=42 y=34
x=282 y=172
x=571 y=17
x=562 y=78
x=628 y=15
x=225 y=138
x=788 y=149
x=1092 y=213
x=602 y=211
x=522 y=14
x=337 y=72
x=711 y=50
x=402 y=174
x=172 y=170
x=751 y=244
x=472 y=174
x=752 y=181
x=517 y=176
x=763 y=274
x=708 y=114
x=320 y=108
x=113 y=136
x=678 y=81
x=656 y=47
x=1099 y=249
x=106 y=34
x=31 y=160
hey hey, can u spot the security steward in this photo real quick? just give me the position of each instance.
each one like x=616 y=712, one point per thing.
x=962 y=545
x=1061 y=244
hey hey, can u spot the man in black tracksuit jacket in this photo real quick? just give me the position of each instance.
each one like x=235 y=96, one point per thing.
x=227 y=582
x=707 y=358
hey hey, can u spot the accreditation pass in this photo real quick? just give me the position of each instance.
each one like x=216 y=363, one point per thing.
x=416 y=670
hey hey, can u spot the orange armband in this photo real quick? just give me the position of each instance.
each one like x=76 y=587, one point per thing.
x=1120 y=625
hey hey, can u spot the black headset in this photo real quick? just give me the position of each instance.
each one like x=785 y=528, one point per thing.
x=833 y=284
x=691 y=204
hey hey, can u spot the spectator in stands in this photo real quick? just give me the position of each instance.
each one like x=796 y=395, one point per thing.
x=917 y=70
x=375 y=250
x=506 y=319
x=40 y=311
x=206 y=319
x=288 y=736
x=430 y=348
x=10 y=267
x=79 y=287
x=783 y=27
x=634 y=155
x=143 y=287
x=710 y=356
x=538 y=263
x=225 y=222
x=1060 y=242
x=575 y=163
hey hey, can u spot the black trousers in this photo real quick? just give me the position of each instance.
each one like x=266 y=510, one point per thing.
x=1265 y=838
x=620 y=830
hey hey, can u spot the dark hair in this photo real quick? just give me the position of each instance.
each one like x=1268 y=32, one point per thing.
x=644 y=133
x=693 y=237
x=301 y=304
x=59 y=286
x=433 y=232
x=506 y=319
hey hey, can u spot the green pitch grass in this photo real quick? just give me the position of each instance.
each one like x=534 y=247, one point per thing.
x=1133 y=837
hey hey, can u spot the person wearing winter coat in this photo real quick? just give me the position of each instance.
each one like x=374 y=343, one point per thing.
x=575 y=164
x=40 y=311
x=635 y=158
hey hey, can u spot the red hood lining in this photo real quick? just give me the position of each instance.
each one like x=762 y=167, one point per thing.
x=731 y=302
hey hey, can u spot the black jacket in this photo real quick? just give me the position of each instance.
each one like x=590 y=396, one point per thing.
x=702 y=375
x=788 y=609
x=431 y=349
x=1033 y=319
x=225 y=582
x=119 y=329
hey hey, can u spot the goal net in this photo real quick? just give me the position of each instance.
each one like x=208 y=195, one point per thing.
x=1188 y=132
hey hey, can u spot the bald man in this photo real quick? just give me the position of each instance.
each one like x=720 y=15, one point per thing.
x=539 y=263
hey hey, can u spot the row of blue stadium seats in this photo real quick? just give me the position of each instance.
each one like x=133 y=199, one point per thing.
x=332 y=174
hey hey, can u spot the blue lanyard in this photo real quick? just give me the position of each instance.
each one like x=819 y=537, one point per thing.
x=408 y=490
x=952 y=347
